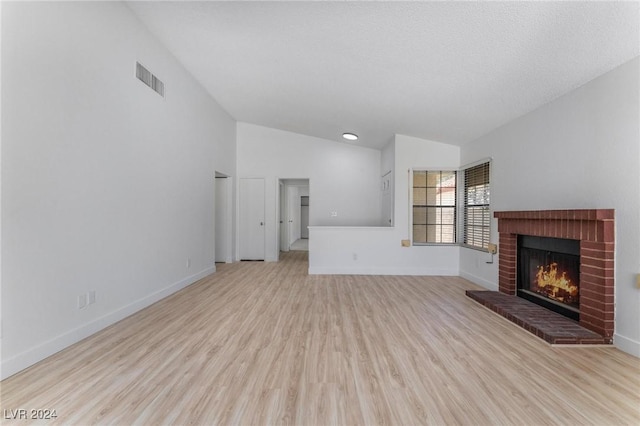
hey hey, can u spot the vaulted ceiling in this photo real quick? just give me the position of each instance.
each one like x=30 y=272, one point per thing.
x=444 y=71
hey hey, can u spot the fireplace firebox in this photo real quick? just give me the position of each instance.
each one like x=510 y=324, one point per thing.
x=549 y=273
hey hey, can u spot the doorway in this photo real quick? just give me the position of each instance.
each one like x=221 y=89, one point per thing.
x=294 y=214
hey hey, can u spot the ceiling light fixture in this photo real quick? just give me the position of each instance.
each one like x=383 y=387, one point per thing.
x=350 y=136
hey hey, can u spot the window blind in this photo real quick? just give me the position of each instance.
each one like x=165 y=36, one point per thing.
x=477 y=217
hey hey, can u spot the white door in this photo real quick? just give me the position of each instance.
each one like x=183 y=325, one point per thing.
x=304 y=217
x=252 y=226
x=387 y=199
x=293 y=202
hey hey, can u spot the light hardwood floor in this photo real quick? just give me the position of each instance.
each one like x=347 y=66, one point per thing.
x=264 y=343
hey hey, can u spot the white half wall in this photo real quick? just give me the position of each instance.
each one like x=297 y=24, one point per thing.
x=581 y=151
x=106 y=186
x=378 y=250
x=343 y=178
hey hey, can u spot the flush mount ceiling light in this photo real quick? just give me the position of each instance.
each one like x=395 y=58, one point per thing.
x=350 y=136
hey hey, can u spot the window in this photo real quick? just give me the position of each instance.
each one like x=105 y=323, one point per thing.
x=434 y=207
x=477 y=220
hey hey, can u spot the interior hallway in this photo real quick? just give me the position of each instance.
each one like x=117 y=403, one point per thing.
x=301 y=244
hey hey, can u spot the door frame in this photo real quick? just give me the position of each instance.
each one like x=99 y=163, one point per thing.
x=282 y=204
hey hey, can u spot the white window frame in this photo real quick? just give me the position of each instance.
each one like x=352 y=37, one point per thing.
x=460 y=207
x=411 y=205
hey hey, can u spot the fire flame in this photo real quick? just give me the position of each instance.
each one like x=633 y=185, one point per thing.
x=550 y=278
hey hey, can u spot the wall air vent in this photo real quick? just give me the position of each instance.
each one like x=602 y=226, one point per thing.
x=145 y=76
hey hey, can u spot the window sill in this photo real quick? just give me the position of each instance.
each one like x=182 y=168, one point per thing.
x=484 y=250
x=435 y=244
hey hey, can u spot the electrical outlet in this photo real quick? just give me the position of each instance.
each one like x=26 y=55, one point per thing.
x=355 y=256
x=405 y=243
x=91 y=299
x=82 y=301
x=493 y=248
x=333 y=214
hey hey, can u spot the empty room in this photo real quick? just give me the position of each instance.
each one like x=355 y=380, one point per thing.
x=320 y=213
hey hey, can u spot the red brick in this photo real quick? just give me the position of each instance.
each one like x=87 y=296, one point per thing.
x=609 y=231
x=603 y=214
x=596 y=263
x=592 y=321
x=598 y=296
x=585 y=230
x=593 y=270
x=594 y=312
x=588 y=281
x=599 y=246
x=591 y=341
x=596 y=329
x=564 y=341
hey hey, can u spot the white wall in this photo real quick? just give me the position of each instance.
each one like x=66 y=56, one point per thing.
x=342 y=178
x=106 y=186
x=581 y=151
x=388 y=158
x=378 y=250
x=387 y=165
x=224 y=219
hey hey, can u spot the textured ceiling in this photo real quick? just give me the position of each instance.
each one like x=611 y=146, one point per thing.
x=444 y=71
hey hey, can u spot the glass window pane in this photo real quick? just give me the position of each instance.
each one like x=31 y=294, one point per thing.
x=448 y=234
x=431 y=215
x=420 y=196
x=419 y=215
x=431 y=197
x=420 y=179
x=419 y=233
x=448 y=215
x=448 y=196
x=432 y=233
x=433 y=178
x=448 y=179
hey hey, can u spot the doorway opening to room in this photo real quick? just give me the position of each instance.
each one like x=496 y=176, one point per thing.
x=294 y=201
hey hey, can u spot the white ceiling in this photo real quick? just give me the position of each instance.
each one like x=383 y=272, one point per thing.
x=443 y=71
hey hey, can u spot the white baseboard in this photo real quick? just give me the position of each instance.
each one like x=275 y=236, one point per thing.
x=363 y=270
x=489 y=285
x=627 y=345
x=43 y=350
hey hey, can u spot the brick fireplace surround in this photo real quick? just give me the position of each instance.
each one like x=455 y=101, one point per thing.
x=595 y=231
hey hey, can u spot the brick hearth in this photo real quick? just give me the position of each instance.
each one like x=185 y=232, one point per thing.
x=548 y=325
x=595 y=231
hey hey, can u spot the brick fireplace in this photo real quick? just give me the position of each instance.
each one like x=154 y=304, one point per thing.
x=594 y=229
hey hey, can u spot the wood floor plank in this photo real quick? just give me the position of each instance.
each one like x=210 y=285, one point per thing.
x=265 y=343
